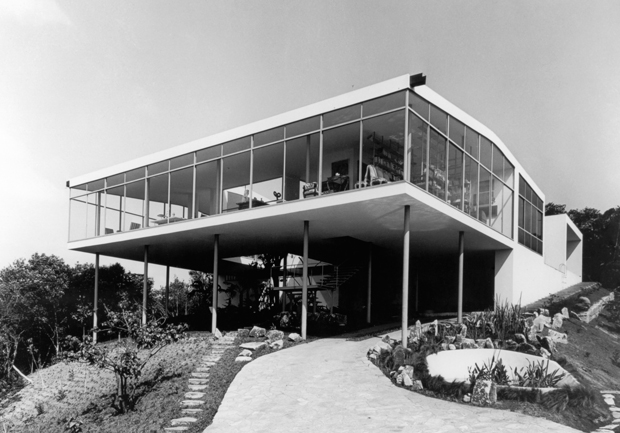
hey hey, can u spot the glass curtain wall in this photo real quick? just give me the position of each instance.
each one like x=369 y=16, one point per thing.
x=302 y=167
x=458 y=165
x=383 y=150
x=530 y=217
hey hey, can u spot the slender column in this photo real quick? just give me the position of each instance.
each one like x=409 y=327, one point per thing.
x=405 y=306
x=216 y=276
x=369 y=300
x=460 y=288
x=145 y=284
x=304 y=287
x=96 y=300
x=167 y=300
x=284 y=278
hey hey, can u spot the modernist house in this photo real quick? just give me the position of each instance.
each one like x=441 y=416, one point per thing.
x=426 y=208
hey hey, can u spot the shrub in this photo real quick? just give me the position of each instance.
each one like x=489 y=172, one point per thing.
x=493 y=369
x=537 y=375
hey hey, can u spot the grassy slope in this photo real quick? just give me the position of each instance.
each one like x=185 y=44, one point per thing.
x=57 y=394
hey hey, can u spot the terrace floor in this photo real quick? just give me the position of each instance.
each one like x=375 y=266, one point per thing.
x=328 y=385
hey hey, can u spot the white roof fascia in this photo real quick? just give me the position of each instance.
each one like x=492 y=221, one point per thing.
x=341 y=101
x=448 y=107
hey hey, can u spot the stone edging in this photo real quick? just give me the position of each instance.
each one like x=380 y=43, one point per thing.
x=593 y=312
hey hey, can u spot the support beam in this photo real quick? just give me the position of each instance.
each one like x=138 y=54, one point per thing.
x=369 y=300
x=216 y=276
x=145 y=284
x=304 y=287
x=167 y=300
x=405 y=306
x=460 y=288
x=96 y=300
x=284 y=279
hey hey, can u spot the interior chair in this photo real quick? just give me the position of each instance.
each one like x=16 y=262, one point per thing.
x=310 y=189
x=372 y=176
x=108 y=231
x=134 y=226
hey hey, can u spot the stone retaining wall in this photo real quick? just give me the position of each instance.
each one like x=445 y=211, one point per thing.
x=595 y=309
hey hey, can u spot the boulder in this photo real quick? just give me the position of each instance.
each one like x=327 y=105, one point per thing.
x=565 y=313
x=293 y=336
x=278 y=344
x=444 y=346
x=466 y=398
x=409 y=371
x=243 y=359
x=417 y=385
x=217 y=334
x=253 y=345
x=557 y=337
x=451 y=347
x=468 y=343
x=557 y=321
x=484 y=393
x=257 y=332
x=463 y=331
x=526 y=348
x=381 y=347
x=245 y=352
x=407 y=380
x=488 y=344
x=546 y=343
x=243 y=333
x=275 y=335
x=545 y=353
x=540 y=322
x=520 y=338
x=510 y=345
x=582 y=304
x=399 y=379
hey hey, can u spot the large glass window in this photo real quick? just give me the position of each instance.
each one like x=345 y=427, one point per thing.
x=437 y=165
x=236 y=182
x=181 y=190
x=208 y=153
x=134 y=206
x=486 y=152
x=157 y=213
x=418 y=132
x=530 y=217
x=236 y=145
x=114 y=201
x=269 y=136
x=303 y=126
x=268 y=174
x=207 y=189
x=341 y=116
x=418 y=105
x=439 y=119
x=384 y=103
x=341 y=148
x=383 y=149
x=471 y=187
x=457 y=132
x=455 y=176
x=472 y=142
x=484 y=197
x=302 y=167
x=78 y=215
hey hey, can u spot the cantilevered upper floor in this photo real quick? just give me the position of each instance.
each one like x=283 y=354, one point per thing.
x=397 y=131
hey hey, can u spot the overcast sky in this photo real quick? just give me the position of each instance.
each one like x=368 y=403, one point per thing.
x=89 y=84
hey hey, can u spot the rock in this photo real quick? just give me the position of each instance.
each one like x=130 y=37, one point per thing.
x=459 y=339
x=409 y=371
x=451 y=347
x=253 y=345
x=278 y=344
x=557 y=337
x=484 y=393
x=293 y=336
x=258 y=332
x=546 y=343
x=488 y=344
x=610 y=401
x=417 y=385
x=575 y=315
x=373 y=357
x=466 y=398
x=381 y=347
x=540 y=322
x=243 y=359
x=545 y=353
x=510 y=345
x=468 y=343
x=444 y=346
x=217 y=334
x=520 y=338
x=585 y=300
x=463 y=331
x=274 y=335
x=245 y=352
x=399 y=379
x=243 y=333
x=407 y=380
x=565 y=313
x=184 y=420
x=557 y=321
x=418 y=329
x=526 y=348
x=449 y=339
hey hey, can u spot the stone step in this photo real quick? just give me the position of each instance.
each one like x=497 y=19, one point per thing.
x=194 y=394
x=192 y=402
x=203 y=369
x=195 y=381
x=183 y=421
x=177 y=428
x=197 y=387
x=191 y=410
x=194 y=374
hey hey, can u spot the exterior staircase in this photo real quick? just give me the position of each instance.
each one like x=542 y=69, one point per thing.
x=341 y=274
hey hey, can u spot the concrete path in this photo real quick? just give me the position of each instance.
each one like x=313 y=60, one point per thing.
x=329 y=386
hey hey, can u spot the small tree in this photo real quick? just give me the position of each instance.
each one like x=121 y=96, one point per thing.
x=128 y=357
